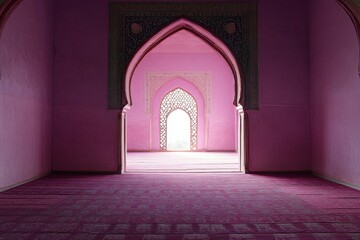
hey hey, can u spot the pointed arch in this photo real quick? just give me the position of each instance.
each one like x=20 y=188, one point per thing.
x=157 y=99
x=173 y=100
x=209 y=38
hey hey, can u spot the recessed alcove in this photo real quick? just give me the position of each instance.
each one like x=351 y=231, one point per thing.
x=183 y=75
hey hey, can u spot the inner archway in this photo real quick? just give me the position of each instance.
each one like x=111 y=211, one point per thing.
x=184 y=58
x=178 y=110
x=178 y=131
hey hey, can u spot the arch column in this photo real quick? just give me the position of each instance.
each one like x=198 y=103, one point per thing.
x=242 y=139
x=122 y=140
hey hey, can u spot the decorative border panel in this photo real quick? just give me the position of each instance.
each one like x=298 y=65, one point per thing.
x=154 y=81
x=133 y=24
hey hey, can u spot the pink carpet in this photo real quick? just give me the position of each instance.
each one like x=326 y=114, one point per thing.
x=180 y=206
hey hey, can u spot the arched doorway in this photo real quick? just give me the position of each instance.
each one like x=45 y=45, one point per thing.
x=178 y=121
x=199 y=81
x=178 y=131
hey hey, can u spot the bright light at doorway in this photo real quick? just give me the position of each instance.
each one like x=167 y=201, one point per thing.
x=178 y=131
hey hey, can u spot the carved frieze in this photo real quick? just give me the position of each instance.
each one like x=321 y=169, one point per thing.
x=155 y=80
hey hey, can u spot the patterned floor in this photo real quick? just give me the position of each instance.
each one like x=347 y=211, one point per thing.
x=180 y=206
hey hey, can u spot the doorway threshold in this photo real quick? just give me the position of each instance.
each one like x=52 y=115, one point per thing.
x=182 y=162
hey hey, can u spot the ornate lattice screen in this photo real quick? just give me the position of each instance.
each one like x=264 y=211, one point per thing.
x=178 y=99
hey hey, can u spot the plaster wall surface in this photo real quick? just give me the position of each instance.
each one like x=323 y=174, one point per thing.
x=85 y=130
x=335 y=93
x=26 y=64
x=279 y=133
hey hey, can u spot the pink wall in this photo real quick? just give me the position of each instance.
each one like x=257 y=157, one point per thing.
x=84 y=131
x=335 y=93
x=26 y=53
x=220 y=120
x=279 y=131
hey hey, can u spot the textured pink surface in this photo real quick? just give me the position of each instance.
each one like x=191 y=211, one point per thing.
x=84 y=130
x=180 y=206
x=26 y=54
x=279 y=132
x=335 y=93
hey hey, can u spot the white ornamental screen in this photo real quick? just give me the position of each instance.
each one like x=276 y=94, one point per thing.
x=178 y=99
